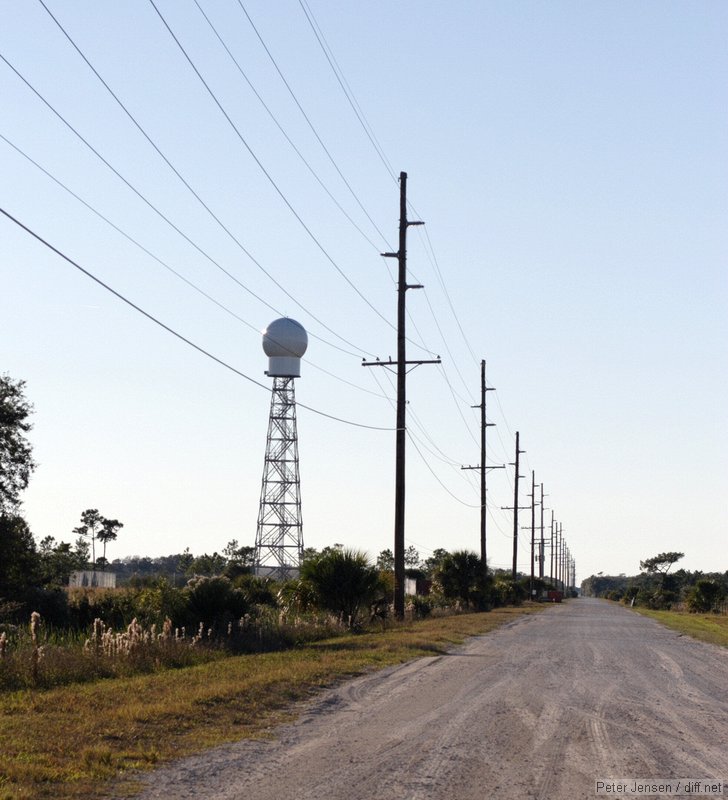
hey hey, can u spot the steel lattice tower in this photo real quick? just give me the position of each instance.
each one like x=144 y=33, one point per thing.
x=279 y=536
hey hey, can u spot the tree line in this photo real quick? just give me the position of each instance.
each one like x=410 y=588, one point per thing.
x=658 y=587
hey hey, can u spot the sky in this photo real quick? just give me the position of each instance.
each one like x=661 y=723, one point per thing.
x=570 y=161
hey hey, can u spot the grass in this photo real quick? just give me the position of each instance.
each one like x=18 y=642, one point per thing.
x=56 y=658
x=67 y=742
x=711 y=628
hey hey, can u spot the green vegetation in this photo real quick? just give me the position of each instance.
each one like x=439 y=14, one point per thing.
x=16 y=461
x=344 y=583
x=696 y=592
x=711 y=628
x=65 y=742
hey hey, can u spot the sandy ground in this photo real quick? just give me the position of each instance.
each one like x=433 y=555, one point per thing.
x=539 y=709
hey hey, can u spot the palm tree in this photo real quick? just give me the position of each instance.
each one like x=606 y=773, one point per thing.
x=344 y=582
x=460 y=577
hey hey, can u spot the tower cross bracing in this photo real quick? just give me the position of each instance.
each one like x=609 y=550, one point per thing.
x=279 y=536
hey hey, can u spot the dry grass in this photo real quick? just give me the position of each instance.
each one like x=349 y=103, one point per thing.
x=67 y=742
x=711 y=628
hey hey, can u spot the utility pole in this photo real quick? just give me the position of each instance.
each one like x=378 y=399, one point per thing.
x=551 y=552
x=534 y=543
x=541 y=554
x=515 y=508
x=559 y=549
x=484 y=425
x=568 y=569
x=533 y=529
x=401 y=363
x=515 y=504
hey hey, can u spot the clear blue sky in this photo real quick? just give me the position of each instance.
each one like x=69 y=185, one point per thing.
x=570 y=160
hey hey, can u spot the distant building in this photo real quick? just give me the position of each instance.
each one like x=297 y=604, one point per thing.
x=417 y=586
x=290 y=572
x=103 y=580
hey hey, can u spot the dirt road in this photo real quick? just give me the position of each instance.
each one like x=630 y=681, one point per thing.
x=540 y=709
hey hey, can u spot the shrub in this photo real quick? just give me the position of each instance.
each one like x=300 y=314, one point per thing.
x=257 y=591
x=704 y=596
x=296 y=597
x=506 y=591
x=117 y=607
x=459 y=577
x=343 y=582
x=160 y=601
x=420 y=607
x=214 y=601
x=659 y=600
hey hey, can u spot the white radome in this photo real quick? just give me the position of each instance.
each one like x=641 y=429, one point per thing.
x=284 y=342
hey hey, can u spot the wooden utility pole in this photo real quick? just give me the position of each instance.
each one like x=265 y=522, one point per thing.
x=551 y=552
x=541 y=554
x=483 y=468
x=533 y=529
x=567 y=570
x=515 y=508
x=515 y=505
x=401 y=363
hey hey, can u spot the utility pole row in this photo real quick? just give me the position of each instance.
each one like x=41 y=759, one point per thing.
x=401 y=365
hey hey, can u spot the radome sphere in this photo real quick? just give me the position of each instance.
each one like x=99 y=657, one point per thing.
x=284 y=342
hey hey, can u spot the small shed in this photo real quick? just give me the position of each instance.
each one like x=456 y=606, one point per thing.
x=103 y=580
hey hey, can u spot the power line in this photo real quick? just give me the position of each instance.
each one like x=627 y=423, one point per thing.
x=207 y=208
x=421 y=427
x=169 y=221
x=346 y=89
x=437 y=478
x=420 y=546
x=338 y=72
x=444 y=371
x=447 y=296
x=372 y=138
x=459 y=410
x=170 y=330
x=267 y=174
x=447 y=347
x=497 y=526
x=308 y=121
x=288 y=138
x=177 y=274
